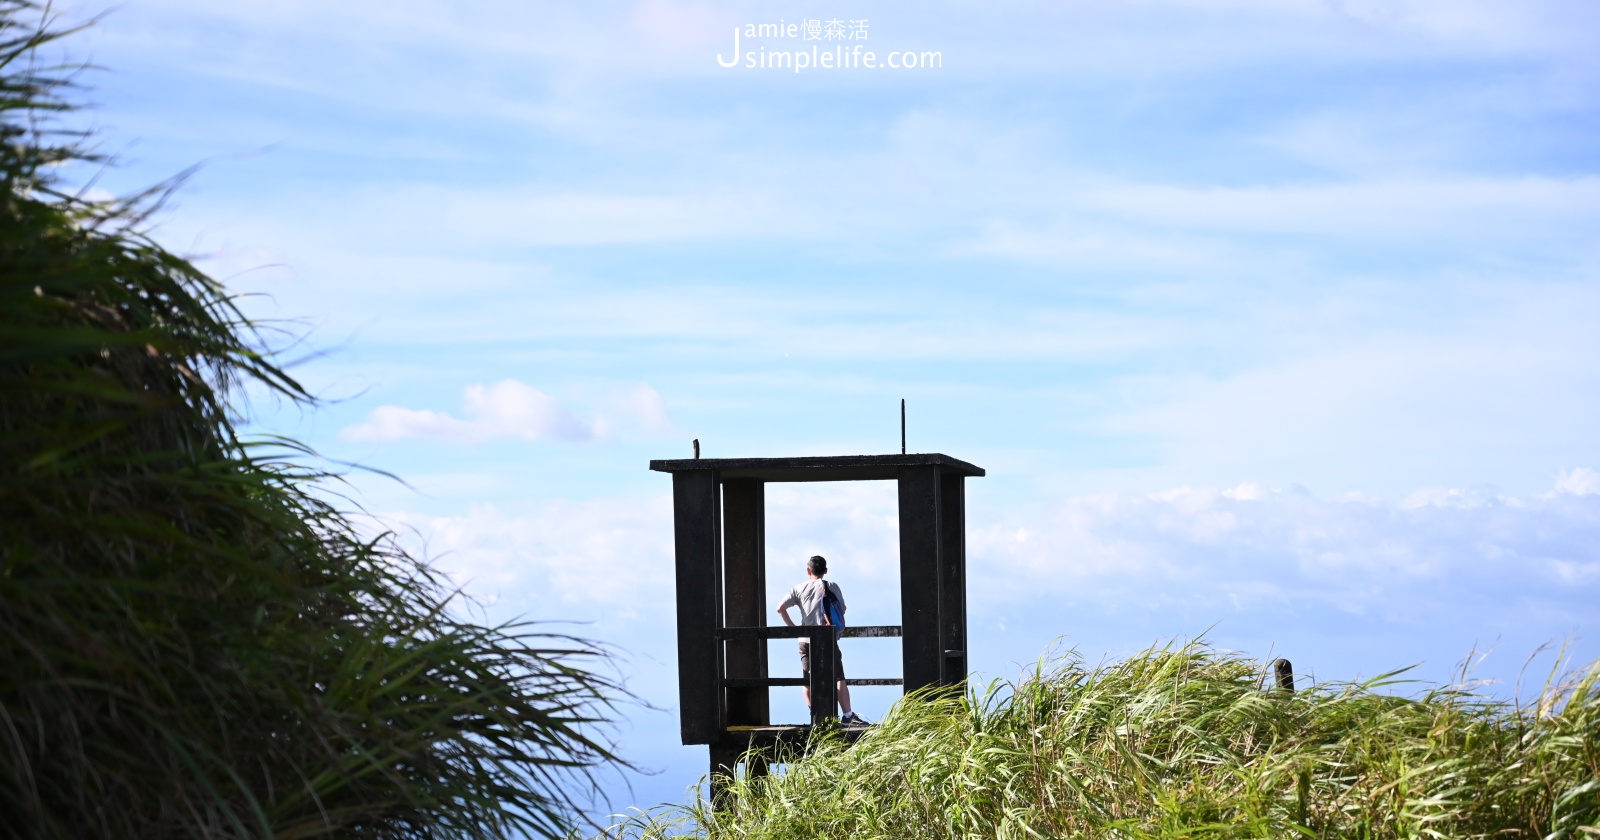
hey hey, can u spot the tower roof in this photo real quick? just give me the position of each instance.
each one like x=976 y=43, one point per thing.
x=820 y=467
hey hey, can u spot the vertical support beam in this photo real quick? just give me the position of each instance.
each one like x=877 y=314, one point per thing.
x=726 y=756
x=757 y=764
x=696 y=530
x=744 y=586
x=824 y=675
x=724 y=769
x=920 y=514
x=953 y=579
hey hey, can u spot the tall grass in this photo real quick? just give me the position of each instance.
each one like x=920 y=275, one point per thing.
x=1184 y=743
x=194 y=640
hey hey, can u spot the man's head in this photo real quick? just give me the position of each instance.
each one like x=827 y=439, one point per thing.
x=817 y=566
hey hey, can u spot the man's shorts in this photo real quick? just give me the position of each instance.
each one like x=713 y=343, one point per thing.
x=805 y=662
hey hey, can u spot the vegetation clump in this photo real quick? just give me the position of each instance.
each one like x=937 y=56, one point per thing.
x=1184 y=743
x=197 y=641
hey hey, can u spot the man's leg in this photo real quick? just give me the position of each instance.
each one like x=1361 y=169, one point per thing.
x=844 y=690
x=805 y=674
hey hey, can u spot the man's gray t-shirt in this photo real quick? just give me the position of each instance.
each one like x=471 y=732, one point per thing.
x=808 y=597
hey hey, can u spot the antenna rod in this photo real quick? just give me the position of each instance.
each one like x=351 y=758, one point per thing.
x=902 y=426
x=697 y=449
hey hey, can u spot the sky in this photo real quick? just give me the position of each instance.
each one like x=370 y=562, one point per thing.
x=1271 y=321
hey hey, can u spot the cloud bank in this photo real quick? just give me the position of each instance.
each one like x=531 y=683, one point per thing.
x=1211 y=552
x=1195 y=555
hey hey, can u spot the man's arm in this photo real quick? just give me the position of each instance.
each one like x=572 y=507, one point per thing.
x=783 y=608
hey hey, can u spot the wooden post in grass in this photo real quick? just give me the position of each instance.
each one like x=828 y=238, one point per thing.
x=824 y=675
x=724 y=766
x=1283 y=669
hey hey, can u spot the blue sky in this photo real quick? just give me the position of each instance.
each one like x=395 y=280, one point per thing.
x=1272 y=318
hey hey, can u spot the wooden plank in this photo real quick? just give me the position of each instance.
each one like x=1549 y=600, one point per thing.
x=920 y=512
x=872 y=632
x=793 y=736
x=818 y=468
x=797 y=632
x=696 y=553
x=744 y=587
x=824 y=675
x=953 y=579
x=798 y=682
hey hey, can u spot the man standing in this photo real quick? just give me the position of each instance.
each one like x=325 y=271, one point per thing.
x=808 y=597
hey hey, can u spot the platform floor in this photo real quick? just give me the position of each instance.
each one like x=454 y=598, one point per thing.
x=782 y=733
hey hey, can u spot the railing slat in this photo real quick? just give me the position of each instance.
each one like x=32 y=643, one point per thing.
x=796 y=682
x=882 y=631
x=866 y=632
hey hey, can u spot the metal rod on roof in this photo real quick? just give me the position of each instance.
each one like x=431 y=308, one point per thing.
x=902 y=426
x=697 y=449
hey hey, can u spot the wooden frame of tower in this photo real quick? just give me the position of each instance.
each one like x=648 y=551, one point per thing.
x=719 y=527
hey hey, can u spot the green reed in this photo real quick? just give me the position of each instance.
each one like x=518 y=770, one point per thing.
x=1183 y=743
x=197 y=641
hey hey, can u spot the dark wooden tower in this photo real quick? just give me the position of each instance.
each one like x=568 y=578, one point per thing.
x=719 y=516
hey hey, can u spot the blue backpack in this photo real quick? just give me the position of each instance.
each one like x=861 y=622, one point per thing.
x=832 y=611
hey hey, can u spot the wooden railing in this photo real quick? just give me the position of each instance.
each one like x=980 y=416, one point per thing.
x=824 y=692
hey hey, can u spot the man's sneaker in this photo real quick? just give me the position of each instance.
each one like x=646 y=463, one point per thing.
x=853 y=719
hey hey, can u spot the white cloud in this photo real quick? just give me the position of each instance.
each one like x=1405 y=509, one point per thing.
x=615 y=554
x=1285 y=229
x=1578 y=574
x=1200 y=551
x=563 y=559
x=1458 y=209
x=1074 y=240
x=854 y=524
x=1579 y=482
x=513 y=410
x=527 y=215
x=1408 y=407
x=638 y=410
